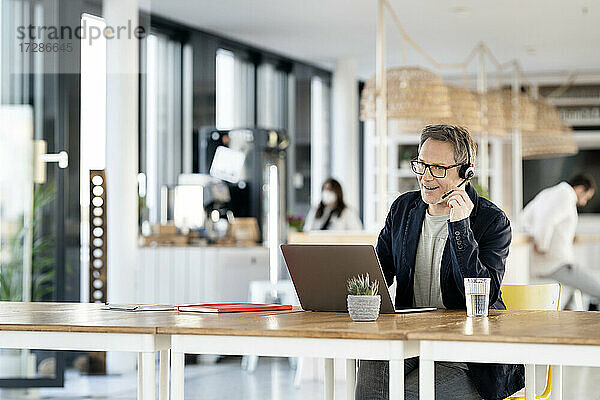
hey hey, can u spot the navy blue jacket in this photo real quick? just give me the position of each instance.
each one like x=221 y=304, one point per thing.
x=477 y=247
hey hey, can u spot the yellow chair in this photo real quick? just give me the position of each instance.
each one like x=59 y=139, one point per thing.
x=533 y=297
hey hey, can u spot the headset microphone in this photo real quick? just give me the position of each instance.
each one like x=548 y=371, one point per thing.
x=452 y=191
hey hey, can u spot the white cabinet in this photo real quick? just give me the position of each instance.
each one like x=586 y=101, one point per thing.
x=177 y=275
x=237 y=268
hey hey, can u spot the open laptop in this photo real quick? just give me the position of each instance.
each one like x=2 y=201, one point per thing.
x=320 y=274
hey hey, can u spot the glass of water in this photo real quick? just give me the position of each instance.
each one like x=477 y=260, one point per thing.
x=477 y=291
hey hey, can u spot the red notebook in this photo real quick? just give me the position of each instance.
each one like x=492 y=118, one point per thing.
x=231 y=307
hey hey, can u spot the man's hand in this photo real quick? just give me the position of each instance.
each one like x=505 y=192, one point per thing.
x=460 y=205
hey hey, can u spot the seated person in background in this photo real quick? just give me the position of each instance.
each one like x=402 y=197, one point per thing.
x=429 y=244
x=332 y=213
x=551 y=219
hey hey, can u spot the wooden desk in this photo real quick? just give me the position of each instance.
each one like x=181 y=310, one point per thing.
x=528 y=337
x=513 y=337
x=84 y=326
x=300 y=334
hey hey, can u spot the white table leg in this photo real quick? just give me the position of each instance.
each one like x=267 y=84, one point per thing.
x=163 y=386
x=298 y=374
x=177 y=375
x=426 y=379
x=556 y=375
x=329 y=379
x=140 y=382
x=396 y=379
x=350 y=378
x=148 y=376
x=529 y=381
x=252 y=363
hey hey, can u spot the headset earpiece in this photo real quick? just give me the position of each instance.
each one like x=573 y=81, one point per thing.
x=467 y=171
x=464 y=171
x=470 y=172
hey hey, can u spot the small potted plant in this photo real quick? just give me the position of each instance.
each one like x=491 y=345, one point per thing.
x=363 y=298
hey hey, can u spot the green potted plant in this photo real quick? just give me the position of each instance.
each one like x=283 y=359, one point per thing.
x=11 y=272
x=363 y=298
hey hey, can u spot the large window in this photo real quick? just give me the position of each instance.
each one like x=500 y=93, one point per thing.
x=234 y=91
x=162 y=121
x=272 y=109
x=320 y=134
x=224 y=90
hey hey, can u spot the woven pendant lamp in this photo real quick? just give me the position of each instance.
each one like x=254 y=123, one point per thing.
x=551 y=138
x=415 y=97
x=492 y=110
x=527 y=110
x=548 y=120
x=465 y=107
x=559 y=145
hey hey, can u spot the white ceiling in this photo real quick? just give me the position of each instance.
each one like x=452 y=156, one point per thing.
x=544 y=35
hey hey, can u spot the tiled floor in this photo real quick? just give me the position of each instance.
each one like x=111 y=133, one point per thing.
x=273 y=379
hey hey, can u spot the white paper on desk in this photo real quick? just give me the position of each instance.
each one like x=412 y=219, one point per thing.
x=139 y=307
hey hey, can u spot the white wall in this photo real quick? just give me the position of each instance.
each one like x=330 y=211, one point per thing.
x=344 y=138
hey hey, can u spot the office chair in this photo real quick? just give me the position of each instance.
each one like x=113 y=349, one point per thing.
x=533 y=297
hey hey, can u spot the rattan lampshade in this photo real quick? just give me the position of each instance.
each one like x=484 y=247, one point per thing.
x=548 y=120
x=492 y=109
x=558 y=145
x=527 y=110
x=465 y=107
x=551 y=138
x=414 y=95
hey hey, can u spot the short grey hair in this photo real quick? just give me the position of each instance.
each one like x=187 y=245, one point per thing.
x=457 y=136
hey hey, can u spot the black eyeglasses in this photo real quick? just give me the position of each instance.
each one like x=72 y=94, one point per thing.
x=437 y=171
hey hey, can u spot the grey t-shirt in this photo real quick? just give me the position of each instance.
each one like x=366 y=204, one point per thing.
x=434 y=234
x=428 y=263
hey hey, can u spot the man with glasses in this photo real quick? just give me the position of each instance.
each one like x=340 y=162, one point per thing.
x=433 y=239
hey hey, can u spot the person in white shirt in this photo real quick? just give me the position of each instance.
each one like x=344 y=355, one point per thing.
x=332 y=213
x=551 y=219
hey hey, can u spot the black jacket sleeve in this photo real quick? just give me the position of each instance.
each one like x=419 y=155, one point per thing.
x=485 y=259
x=384 y=248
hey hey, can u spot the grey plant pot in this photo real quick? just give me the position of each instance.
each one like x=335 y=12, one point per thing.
x=363 y=308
